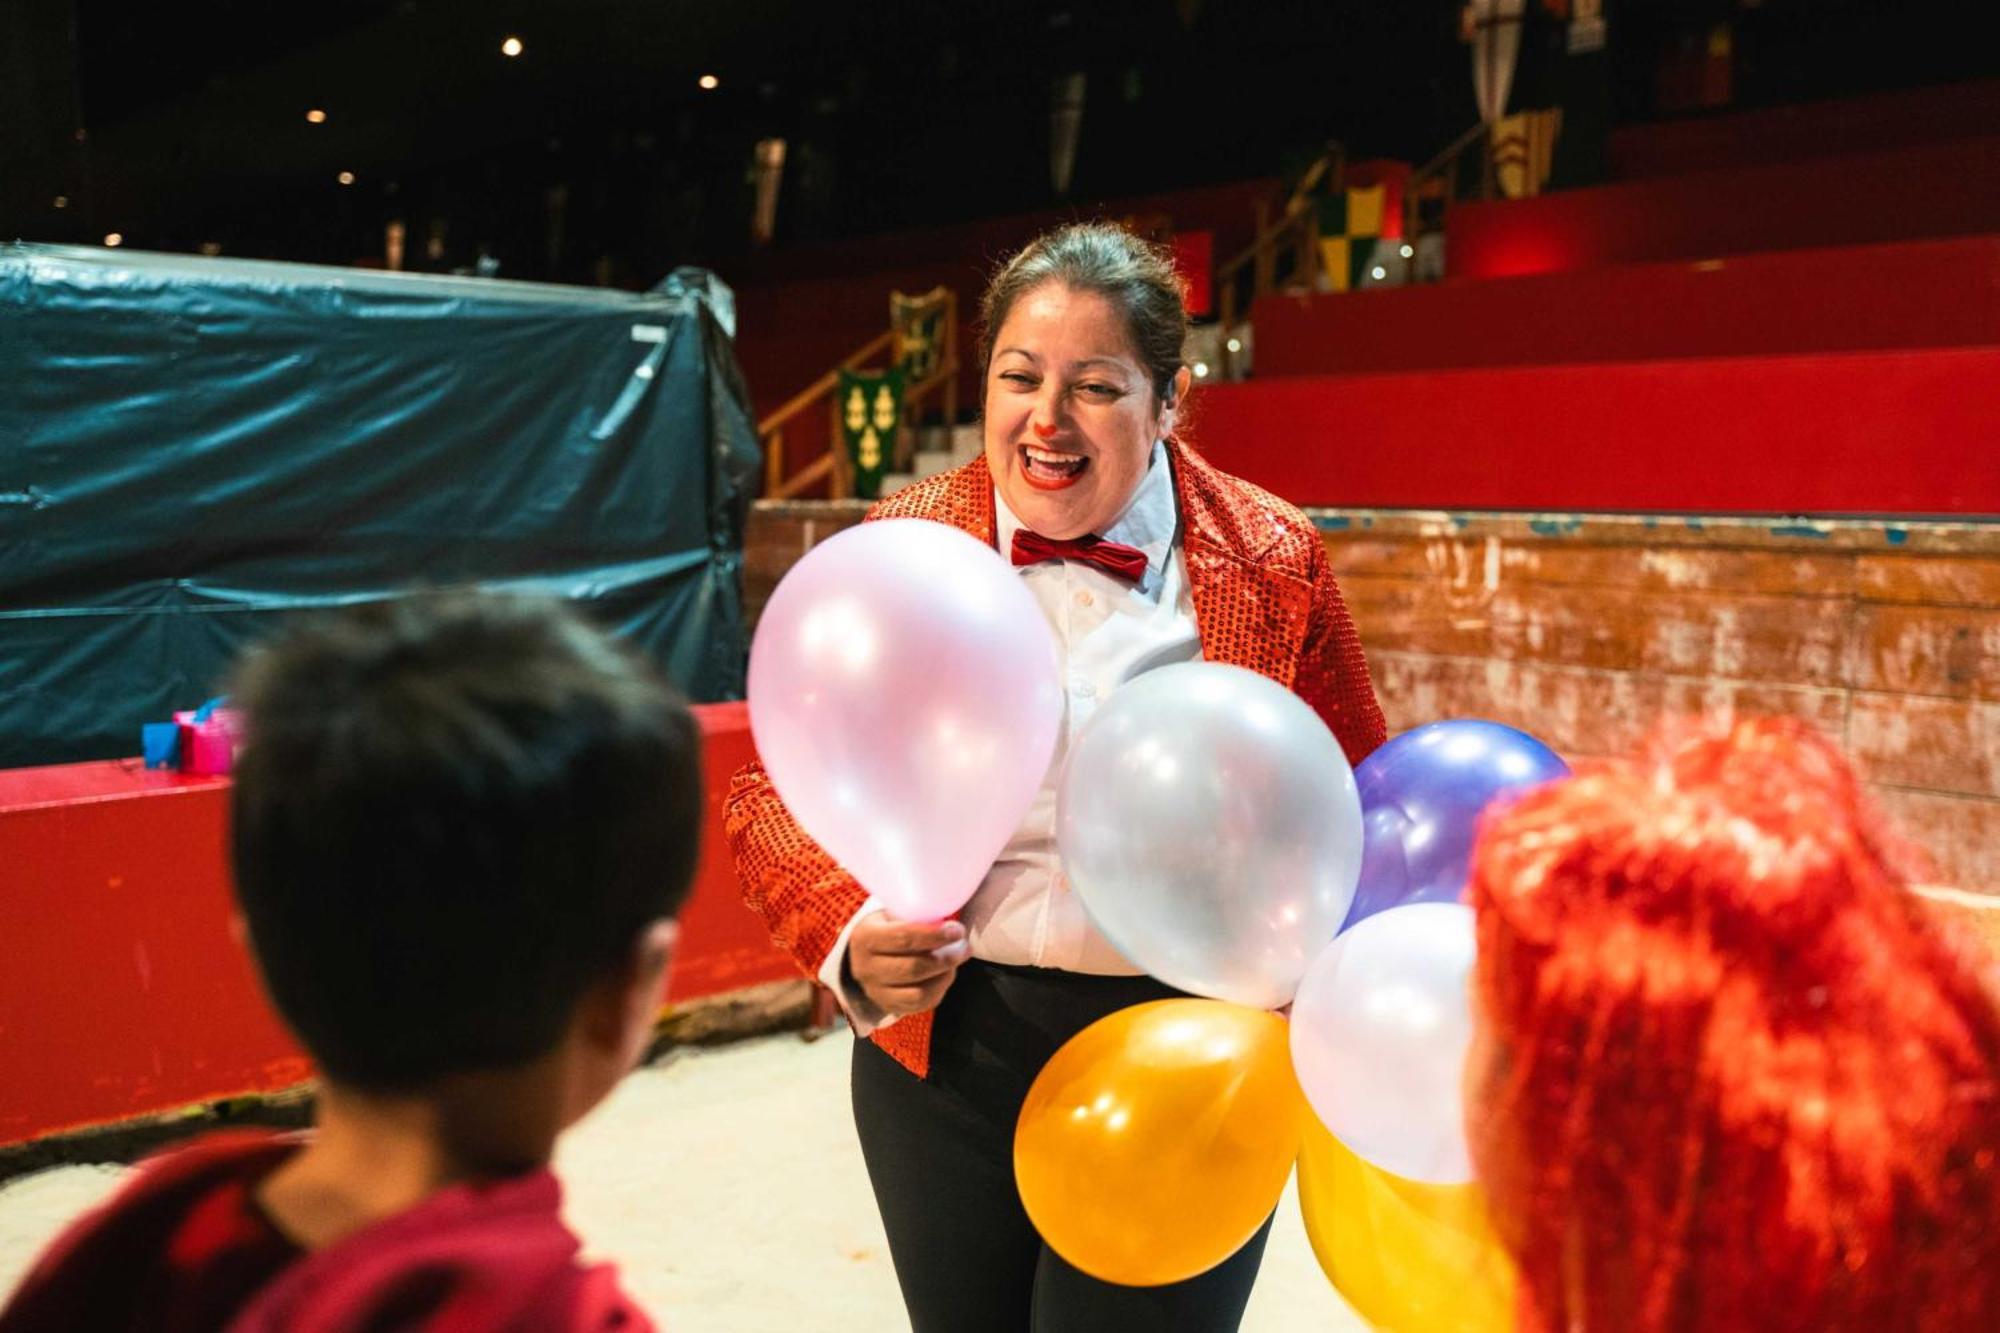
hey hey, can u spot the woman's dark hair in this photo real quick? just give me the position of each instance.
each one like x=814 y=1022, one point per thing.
x=452 y=815
x=1138 y=278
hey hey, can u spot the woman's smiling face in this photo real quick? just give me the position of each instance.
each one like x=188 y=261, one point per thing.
x=1071 y=415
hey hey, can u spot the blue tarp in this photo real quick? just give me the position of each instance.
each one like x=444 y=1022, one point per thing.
x=191 y=449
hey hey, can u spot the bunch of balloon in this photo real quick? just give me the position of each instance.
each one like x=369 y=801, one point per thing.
x=1209 y=824
x=1380 y=1033
x=904 y=698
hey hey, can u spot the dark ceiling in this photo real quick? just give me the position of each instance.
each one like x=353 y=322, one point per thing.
x=193 y=129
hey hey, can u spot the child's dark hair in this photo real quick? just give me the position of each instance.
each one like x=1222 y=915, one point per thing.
x=452 y=814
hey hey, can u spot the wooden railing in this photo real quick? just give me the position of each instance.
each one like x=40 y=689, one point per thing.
x=1286 y=251
x=831 y=467
x=1294 y=236
x=1445 y=167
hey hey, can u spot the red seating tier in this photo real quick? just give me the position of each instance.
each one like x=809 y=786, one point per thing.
x=1811 y=129
x=1932 y=190
x=1908 y=432
x=1850 y=298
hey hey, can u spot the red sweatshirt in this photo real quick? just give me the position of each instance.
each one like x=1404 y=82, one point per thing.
x=185 y=1248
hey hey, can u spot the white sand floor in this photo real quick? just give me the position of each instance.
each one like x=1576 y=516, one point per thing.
x=728 y=1186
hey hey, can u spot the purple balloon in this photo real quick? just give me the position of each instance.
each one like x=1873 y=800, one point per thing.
x=1421 y=795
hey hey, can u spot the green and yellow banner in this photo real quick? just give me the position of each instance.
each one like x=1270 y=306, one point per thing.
x=871 y=414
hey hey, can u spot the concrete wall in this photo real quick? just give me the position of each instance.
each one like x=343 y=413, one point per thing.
x=1586 y=630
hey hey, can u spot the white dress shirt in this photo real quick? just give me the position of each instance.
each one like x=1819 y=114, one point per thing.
x=1107 y=630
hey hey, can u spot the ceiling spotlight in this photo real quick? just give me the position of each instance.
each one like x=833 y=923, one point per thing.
x=1201 y=370
x=345 y=178
x=709 y=83
x=315 y=117
x=1235 y=344
x=512 y=47
x=1378 y=273
x=1409 y=251
x=60 y=201
x=114 y=239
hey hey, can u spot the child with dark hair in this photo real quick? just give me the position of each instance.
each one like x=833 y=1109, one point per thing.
x=1730 y=1074
x=463 y=826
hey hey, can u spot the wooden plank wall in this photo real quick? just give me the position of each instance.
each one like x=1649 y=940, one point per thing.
x=1586 y=630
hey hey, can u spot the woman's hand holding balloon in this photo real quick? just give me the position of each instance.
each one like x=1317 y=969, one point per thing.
x=905 y=967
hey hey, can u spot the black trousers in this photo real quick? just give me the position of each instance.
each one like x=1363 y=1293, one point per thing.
x=940 y=1154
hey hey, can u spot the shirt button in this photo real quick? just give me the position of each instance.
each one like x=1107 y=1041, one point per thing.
x=1082 y=688
x=1084 y=599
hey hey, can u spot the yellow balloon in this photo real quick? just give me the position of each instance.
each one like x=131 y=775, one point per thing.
x=1156 y=1142
x=1409 y=1257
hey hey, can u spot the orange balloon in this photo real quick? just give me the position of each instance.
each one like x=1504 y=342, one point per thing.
x=1157 y=1140
x=1409 y=1257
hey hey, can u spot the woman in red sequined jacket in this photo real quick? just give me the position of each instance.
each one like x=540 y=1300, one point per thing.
x=1083 y=332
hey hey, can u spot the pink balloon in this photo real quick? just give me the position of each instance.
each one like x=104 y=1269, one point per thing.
x=904 y=697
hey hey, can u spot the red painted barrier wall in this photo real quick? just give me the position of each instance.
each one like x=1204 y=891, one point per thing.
x=1842 y=299
x=1898 y=432
x=1947 y=189
x=125 y=991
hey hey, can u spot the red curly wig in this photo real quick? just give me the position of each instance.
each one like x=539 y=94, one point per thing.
x=1731 y=1074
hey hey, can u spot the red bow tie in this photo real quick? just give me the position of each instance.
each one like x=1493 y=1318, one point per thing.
x=1127 y=562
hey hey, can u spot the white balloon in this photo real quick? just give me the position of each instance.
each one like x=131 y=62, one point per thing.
x=1380 y=1032
x=1210 y=825
x=904 y=699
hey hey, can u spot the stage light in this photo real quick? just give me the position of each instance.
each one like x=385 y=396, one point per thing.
x=345 y=178
x=1409 y=251
x=1378 y=273
x=114 y=239
x=315 y=117
x=512 y=47
x=1235 y=344
x=60 y=201
x=1201 y=370
x=709 y=83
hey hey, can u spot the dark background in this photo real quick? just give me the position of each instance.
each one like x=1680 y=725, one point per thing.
x=182 y=125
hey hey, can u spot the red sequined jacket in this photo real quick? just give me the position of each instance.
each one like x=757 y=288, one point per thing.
x=1264 y=598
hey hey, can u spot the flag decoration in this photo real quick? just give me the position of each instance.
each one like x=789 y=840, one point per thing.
x=1349 y=222
x=1065 y=128
x=871 y=415
x=1524 y=151
x=1493 y=28
x=919 y=324
x=1361 y=223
